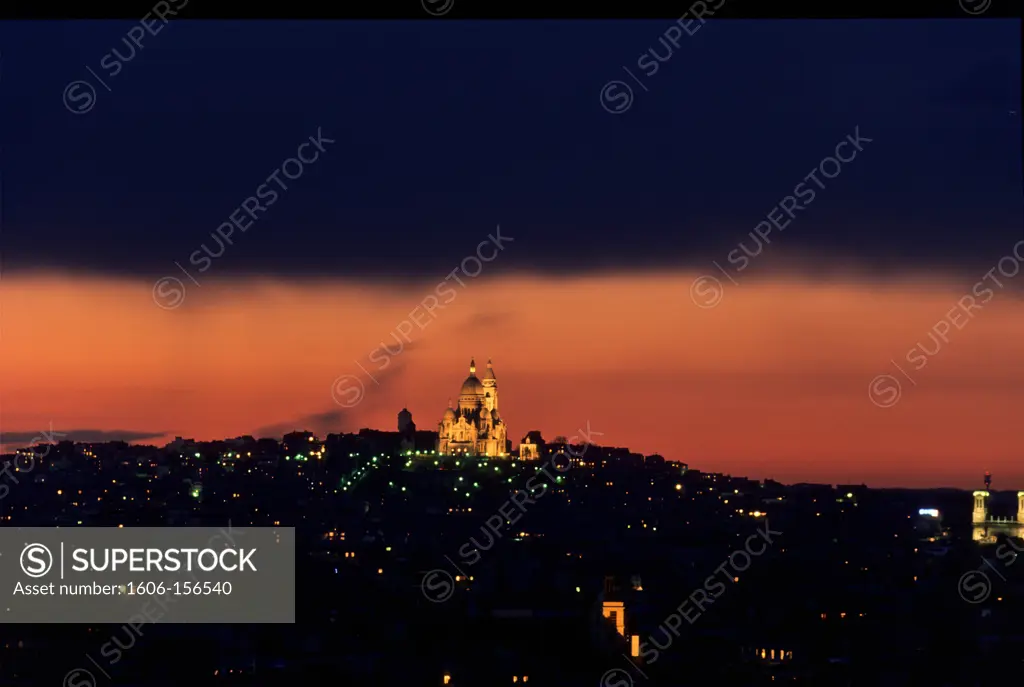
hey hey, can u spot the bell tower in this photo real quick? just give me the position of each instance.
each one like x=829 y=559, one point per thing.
x=490 y=383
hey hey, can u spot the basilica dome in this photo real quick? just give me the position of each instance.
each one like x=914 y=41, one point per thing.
x=472 y=387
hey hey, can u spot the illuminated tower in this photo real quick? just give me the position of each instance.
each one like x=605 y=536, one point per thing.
x=613 y=611
x=490 y=383
x=1020 y=507
x=980 y=507
x=612 y=607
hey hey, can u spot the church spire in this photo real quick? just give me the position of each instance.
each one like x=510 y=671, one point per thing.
x=472 y=366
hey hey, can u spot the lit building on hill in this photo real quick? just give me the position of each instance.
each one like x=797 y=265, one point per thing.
x=475 y=427
x=987 y=527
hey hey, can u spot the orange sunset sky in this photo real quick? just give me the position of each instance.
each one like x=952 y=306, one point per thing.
x=771 y=382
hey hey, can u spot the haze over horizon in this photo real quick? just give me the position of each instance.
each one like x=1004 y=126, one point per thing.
x=772 y=382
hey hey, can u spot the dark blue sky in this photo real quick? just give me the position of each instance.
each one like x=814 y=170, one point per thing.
x=445 y=129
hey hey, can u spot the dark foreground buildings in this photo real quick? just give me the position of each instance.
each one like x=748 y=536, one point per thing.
x=586 y=565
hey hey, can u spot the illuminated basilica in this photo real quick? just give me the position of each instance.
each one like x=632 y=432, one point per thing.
x=475 y=427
